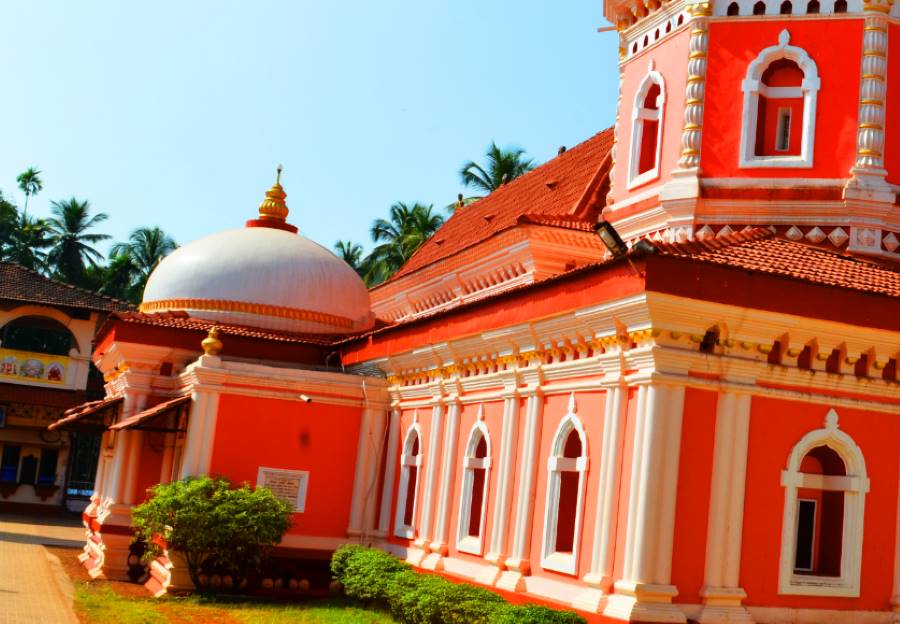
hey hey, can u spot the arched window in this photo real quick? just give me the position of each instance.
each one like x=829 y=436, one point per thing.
x=779 y=118
x=474 y=492
x=407 y=496
x=567 y=467
x=813 y=7
x=759 y=8
x=646 y=132
x=39 y=334
x=824 y=503
x=734 y=9
x=786 y=8
x=840 y=6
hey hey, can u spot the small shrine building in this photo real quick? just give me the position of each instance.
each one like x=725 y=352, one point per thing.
x=653 y=380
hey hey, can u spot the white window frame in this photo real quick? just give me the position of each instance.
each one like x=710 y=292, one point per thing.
x=855 y=485
x=464 y=542
x=408 y=460
x=567 y=563
x=638 y=115
x=753 y=88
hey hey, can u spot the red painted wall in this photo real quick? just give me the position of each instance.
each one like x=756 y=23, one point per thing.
x=775 y=427
x=836 y=49
x=150 y=463
x=698 y=432
x=255 y=431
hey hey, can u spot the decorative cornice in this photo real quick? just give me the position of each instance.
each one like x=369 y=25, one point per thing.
x=247 y=307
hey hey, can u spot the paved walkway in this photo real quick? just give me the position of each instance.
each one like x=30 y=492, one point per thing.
x=34 y=589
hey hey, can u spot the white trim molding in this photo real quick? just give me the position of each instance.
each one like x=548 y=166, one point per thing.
x=408 y=460
x=557 y=463
x=854 y=485
x=753 y=88
x=640 y=115
x=465 y=542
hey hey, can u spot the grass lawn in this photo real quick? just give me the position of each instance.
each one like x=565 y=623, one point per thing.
x=97 y=602
x=113 y=602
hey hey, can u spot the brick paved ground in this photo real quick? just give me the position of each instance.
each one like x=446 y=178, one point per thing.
x=33 y=587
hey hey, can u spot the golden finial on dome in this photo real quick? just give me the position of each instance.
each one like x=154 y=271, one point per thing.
x=273 y=207
x=211 y=344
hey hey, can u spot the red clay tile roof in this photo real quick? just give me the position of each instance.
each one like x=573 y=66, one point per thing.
x=20 y=284
x=751 y=250
x=760 y=251
x=563 y=188
x=181 y=320
x=157 y=410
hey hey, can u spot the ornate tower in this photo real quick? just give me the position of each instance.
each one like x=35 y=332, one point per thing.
x=779 y=113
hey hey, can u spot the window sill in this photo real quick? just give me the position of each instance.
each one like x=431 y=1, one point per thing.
x=645 y=178
x=776 y=162
x=470 y=545
x=810 y=585
x=405 y=532
x=559 y=562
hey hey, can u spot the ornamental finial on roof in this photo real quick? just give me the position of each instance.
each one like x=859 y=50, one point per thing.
x=273 y=207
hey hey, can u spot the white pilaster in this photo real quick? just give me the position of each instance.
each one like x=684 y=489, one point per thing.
x=364 y=479
x=432 y=459
x=438 y=545
x=645 y=593
x=600 y=575
x=721 y=593
x=198 y=444
x=390 y=468
x=518 y=565
x=508 y=441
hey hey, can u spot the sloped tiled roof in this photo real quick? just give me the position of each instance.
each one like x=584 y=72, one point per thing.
x=181 y=320
x=20 y=284
x=760 y=251
x=560 y=189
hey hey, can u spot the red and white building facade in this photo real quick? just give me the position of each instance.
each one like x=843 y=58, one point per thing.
x=704 y=429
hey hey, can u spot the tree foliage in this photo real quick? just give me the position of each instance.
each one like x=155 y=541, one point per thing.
x=501 y=167
x=213 y=524
x=399 y=236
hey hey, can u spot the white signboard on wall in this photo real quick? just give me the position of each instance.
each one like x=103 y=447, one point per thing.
x=288 y=485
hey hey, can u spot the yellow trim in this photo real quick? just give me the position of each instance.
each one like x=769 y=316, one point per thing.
x=246 y=307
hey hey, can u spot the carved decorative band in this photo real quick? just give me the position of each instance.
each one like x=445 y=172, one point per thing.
x=246 y=307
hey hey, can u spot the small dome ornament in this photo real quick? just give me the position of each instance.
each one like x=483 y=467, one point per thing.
x=273 y=207
x=211 y=344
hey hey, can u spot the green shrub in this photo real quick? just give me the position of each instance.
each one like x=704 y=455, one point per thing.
x=533 y=614
x=210 y=522
x=414 y=598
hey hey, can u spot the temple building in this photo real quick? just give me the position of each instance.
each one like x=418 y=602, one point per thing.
x=653 y=380
x=46 y=329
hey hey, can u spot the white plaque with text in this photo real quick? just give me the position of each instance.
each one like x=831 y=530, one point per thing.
x=288 y=485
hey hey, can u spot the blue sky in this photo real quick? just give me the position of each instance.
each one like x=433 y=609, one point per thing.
x=176 y=113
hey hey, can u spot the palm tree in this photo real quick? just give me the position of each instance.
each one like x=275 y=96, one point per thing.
x=400 y=236
x=30 y=183
x=144 y=250
x=502 y=166
x=115 y=279
x=71 y=245
x=27 y=242
x=351 y=253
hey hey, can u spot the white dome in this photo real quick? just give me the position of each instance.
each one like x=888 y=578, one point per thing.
x=262 y=277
